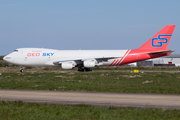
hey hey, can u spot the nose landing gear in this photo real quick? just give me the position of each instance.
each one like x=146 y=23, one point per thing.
x=21 y=69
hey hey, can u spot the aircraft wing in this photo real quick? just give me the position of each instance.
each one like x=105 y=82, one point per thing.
x=80 y=61
x=100 y=59
x=60 y=62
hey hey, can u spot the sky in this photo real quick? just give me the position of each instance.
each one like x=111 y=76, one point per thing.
x=85 y=24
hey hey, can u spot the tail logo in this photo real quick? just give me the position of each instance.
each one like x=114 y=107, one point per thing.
x=157 y=43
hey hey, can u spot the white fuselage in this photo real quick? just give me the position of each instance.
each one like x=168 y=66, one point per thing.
x=47 y=57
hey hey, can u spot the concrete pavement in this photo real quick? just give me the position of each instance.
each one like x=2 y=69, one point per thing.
x=164 y=101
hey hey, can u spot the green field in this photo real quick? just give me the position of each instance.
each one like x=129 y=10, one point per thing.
x=25 y=111
x=70 y=80
x=147 y=82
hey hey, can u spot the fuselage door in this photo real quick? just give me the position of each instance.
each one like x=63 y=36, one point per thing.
x=25 y=59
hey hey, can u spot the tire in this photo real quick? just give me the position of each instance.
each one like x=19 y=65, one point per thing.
x=80 y=69
x=88 y=69
x=21 y=70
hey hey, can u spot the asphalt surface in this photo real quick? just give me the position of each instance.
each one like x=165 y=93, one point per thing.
x=164 y=101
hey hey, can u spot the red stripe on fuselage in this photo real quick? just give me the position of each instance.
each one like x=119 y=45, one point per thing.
x=122 y=57
x=115 y=62
x=112 y=62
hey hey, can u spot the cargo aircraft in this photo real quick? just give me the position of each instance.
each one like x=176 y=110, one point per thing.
x=87 y=59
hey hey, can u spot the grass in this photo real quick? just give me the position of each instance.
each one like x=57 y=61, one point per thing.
x=23 y=111
x=1 y=57
x=56 y=79
x=3 y=63
x=147 y=82
x=142 y=68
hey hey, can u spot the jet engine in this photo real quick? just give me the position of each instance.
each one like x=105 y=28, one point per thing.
x=90 y=63
x=67 y=65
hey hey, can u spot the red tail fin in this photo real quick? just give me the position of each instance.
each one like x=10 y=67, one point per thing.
x=160 y=40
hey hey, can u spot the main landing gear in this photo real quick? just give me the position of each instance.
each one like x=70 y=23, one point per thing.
x=80 y=69
x=88 y=69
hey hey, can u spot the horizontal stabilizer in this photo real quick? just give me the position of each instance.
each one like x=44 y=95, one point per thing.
x=160 y=52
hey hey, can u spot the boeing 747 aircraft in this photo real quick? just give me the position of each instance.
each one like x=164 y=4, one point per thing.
x=87 y=59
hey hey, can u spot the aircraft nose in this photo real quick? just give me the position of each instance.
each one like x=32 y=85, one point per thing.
x=7 y=58
x=4 y=58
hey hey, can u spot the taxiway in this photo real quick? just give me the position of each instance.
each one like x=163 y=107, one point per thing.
x=164 y=101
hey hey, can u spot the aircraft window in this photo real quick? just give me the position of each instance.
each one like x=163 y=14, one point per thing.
x=15 y=50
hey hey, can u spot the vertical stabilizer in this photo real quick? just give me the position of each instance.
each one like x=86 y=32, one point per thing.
x=160 y=40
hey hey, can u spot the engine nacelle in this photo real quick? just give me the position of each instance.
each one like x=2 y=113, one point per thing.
x=89 y=64
x=67 y=65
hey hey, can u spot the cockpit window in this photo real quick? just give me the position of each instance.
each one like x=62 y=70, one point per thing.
x=15 y=50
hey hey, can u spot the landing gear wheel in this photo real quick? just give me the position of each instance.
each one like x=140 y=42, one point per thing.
x=88 y=69
x=21 y=70
x=80 y=69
